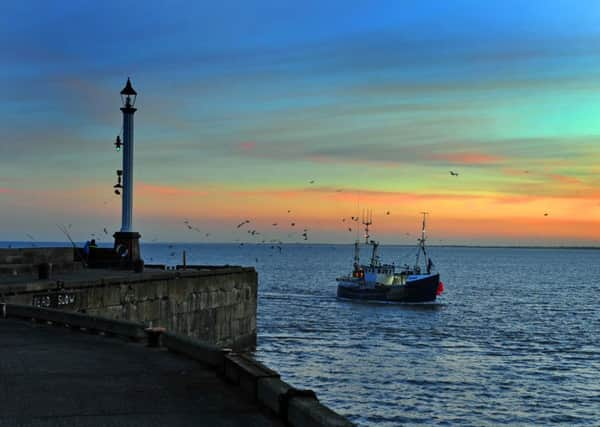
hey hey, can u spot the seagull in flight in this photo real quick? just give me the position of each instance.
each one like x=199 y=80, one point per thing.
x=241 y=224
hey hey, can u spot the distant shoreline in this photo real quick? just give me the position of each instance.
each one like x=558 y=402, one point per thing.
x=28 y=244
x=382 y=245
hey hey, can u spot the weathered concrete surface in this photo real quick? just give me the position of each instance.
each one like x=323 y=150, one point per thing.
x=24 y=261
x=36 y=255
x=51 y=376
x=216 y=305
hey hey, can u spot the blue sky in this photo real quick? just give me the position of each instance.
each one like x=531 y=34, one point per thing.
x=239 y=98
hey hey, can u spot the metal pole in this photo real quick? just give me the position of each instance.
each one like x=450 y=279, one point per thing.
x=127 y=211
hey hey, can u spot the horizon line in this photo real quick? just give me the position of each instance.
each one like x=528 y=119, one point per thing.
x=31 y=244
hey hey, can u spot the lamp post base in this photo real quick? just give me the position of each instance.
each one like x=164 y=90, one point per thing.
x=127 y=245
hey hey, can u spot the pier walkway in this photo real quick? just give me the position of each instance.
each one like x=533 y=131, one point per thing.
x=55 y=376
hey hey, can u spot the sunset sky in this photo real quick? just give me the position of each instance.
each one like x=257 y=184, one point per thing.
x=242 y=103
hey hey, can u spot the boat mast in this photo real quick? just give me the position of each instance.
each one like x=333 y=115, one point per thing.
x=356 y=255
x=367 y=220
x=422 y=244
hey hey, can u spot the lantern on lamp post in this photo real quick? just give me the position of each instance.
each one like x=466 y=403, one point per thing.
x=128 y=95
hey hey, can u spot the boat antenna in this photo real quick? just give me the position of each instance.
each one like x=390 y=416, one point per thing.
x=423 y=228
x=367 y=219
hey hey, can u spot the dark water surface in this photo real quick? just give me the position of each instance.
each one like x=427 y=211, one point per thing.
x=515 y=339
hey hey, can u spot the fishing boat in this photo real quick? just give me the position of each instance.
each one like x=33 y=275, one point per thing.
x=385 y=282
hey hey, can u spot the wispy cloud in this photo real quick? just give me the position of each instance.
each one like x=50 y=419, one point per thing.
x=330 y=160
x=387 y=154
x=467 y=158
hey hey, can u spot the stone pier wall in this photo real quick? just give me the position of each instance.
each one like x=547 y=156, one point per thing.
x=20 y=261
x=217 y=305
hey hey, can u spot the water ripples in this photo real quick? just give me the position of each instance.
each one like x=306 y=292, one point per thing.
x=515 y=339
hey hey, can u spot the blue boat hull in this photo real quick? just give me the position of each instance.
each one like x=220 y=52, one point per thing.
x=414 y=291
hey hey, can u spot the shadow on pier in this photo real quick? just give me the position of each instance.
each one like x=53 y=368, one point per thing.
x=54 y=377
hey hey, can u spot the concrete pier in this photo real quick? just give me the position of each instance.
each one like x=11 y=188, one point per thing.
x=127 y=348
x=59 y=368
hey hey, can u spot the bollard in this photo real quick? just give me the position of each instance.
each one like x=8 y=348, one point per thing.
x=138 y=266
x=154 y=336
x=44 y=271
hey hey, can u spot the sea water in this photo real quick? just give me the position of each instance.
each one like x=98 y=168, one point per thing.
x=514 y=339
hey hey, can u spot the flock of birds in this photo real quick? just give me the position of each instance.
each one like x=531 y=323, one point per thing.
x=275 y=243
x=351 y=225
x=194 y=228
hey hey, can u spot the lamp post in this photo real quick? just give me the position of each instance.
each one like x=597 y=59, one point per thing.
x=127 y=241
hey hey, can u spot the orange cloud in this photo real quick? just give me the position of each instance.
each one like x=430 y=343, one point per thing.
x=149 y=190
x=281 y=194
x=564 y=179
x=515 y=172
x=514 y=230
x=467 y=158
x=455 y=217
x=247 y=145
x=387 y=197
